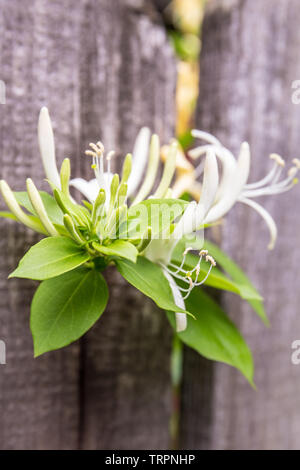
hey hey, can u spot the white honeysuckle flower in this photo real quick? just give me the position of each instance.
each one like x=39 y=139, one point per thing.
x=233 y=186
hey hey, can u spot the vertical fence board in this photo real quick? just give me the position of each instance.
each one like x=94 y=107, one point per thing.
x=104 y=69
x=250 y=57
x=39 y=65
x=129 y=81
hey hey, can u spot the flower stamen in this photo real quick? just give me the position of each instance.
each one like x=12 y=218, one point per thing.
x=187 y=276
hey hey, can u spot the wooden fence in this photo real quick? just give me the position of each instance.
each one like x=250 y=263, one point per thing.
x=105 y=68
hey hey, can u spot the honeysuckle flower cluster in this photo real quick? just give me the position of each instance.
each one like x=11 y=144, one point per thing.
x=143 y=229
x=102 y=218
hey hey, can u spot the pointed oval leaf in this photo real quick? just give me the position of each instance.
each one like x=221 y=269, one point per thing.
x=65 y=307
x=247 y=290
x=213 y=335
x=50 y=257
x=149 y=279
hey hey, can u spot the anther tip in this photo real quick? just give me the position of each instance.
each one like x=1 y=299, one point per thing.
x=203 y=253
x=211 y=260
x=296 y=162
x=278 y=159
x=110 y=155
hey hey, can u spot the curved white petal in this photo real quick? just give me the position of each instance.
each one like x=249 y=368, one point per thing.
x=210 y=184
x=197 y=152
x=229 y=168
x=181 y=318
x=89 y=189
x=228 y=162
x=267 y=217
x=205 y=136
x=232 y=186
x=47 y=148
x=188 y=222
x=243 y=166
x=139 y=159
x=195 y=213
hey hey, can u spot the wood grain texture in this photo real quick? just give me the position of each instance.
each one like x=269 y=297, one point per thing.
x=249 y=60
x=38 y=398
x=129 y=81
x=104 y=69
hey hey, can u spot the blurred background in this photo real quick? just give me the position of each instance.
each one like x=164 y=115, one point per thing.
x=104 y=69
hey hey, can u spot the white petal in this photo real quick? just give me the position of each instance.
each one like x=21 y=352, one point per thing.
x=205 y=136
x=229 y=168
x=194 y=214
x=267 y=217
x=228 y=162
x=89 y=189
x=243 y=166
x=197 y=152
x=232 y=185
x=181 y=318
x=187 y=224
x=47 y=148
x=139 y=159
x=210 y=183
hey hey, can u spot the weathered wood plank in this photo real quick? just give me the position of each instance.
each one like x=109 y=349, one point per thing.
x=129 y=81
x=104 y=69
x=249 y=59
x=39 y=405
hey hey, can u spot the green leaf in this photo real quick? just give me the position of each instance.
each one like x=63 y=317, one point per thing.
x=65 y=307
x=155 y=213
x=237 y=274
x=119 y=248
x=213 y=335
x=149 y=279
x=50 y=257
x=52 y=209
